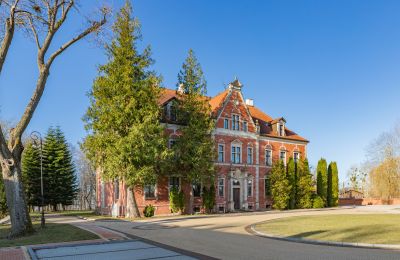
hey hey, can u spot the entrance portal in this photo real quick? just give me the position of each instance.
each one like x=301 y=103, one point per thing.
x=236 y=198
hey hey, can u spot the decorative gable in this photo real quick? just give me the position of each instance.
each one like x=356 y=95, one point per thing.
x=234 y=109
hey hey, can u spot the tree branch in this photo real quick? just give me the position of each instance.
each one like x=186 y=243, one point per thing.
x=35 y=34
x=9 y=34
x=44 y=69
x=93 y=28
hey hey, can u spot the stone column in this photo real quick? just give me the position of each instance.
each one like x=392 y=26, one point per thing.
x=245 y=205
x=230 y=189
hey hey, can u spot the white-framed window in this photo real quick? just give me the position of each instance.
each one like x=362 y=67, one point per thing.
x=267 y=186
x=149 y=191
x=282 y=156
x=281 y=129
x=236 y=154
x=174 y=182
x=226 y=123
x=249 y=155
x=296 y=157
x=249 y=187
x=221 y=187
x=268 y=157
x=221 y=153
x=235 y=122
x=196 y=186
x=245 y=127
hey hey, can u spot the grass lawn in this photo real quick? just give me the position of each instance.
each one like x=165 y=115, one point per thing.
x=369 y=228
x=80 y=213
x=53 y=233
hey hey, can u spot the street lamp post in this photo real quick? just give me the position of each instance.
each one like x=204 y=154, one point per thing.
x=37 y=139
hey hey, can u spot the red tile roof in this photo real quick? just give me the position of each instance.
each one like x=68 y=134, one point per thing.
x=263 y=119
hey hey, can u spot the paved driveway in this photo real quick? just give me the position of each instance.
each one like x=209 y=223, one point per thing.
x=225 y=237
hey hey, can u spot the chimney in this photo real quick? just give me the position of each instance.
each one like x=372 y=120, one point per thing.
x=250 y=102
x=180 y=88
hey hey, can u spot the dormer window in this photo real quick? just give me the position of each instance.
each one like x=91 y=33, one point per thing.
x=281 y=129
x=172 y=113
x=235 y=122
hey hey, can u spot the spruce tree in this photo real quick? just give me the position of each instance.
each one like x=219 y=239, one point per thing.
x=194 y=150
x=333 y=185
x=126 y=139
x=305 y=185
x=291 y=175
x=280 y=187
x=60 y=185
x=322 y=179
x=69 y=189
x=31 y=174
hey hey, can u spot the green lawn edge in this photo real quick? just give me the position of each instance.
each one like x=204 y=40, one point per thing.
x=349 y=228
x=53 y=233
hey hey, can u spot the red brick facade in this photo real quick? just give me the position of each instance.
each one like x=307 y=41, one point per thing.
x=247 y=140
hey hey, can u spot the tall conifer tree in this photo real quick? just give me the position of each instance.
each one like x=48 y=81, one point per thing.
x=291 y=175
x=31 y=174
x=333 y=185
x=126 y=138
x=194 y=153
x=280 y=187
x=60 y=186
x=305 y=185
x=322 y=179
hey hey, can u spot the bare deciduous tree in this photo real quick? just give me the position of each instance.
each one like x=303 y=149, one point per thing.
x=44 y=19
x=87 y=181
x=383 y=165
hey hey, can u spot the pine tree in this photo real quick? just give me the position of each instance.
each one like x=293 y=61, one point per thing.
x=292 y=178
x=59 y=179
x=194 y=150
x=126 y=140
x=31 y=174
x=333 y=185
x=322 y=179
x=305 y=185
x=69 y=187
x=280 y=187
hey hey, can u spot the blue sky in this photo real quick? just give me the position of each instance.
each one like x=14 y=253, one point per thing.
x=331 y=68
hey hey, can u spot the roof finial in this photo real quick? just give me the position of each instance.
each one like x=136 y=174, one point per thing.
x=236 y=84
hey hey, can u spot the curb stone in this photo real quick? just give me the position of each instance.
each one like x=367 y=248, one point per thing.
x=251 y=229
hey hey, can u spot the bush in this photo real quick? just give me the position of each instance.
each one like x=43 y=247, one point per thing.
x=318 y=202
x=176 y=200
x=149 y=211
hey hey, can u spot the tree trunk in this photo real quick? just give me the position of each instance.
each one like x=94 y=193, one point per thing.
x=132 y=209
x=191 y=201
x=19 y=215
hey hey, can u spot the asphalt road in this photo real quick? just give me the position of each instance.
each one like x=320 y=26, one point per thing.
x=225 y=236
